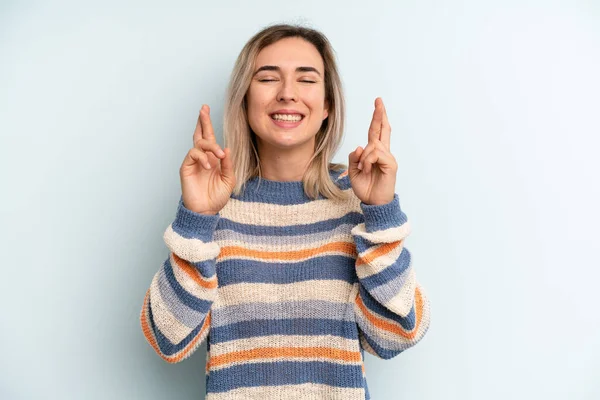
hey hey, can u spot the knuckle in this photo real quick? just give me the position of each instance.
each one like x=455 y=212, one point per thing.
x=199 y=153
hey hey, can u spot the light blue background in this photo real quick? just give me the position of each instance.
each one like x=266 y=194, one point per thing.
x=494 y=108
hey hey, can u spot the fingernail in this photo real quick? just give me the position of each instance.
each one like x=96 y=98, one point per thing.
x=221 y=153
x=360 y=166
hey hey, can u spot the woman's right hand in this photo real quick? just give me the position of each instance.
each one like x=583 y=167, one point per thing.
x=207 y=178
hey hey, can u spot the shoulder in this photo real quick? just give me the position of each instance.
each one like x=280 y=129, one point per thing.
x=339 y=175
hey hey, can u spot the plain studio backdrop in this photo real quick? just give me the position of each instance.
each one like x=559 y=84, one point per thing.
x=495 y=115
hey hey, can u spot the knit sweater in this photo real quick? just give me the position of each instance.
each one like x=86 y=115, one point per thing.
x=288 y=291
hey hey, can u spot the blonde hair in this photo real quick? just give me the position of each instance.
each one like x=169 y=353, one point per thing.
x=242 y=141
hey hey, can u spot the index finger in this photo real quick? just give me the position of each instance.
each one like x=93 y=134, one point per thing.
x=198 y=130
x=207 y=129
x=375 y=128
x=386 y=129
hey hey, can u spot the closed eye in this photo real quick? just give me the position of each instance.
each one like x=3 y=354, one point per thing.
x=275 y=80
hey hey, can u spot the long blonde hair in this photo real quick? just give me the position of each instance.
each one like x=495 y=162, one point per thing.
x=242 y=141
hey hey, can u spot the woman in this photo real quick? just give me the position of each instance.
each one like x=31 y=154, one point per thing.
x=291 y=266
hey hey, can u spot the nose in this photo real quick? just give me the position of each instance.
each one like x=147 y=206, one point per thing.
x=287 y=92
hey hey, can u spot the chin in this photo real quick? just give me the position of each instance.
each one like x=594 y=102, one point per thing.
x=286 y=142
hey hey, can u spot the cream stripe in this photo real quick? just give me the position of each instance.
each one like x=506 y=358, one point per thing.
x=294 y=240
x=266 y=214
x=166 y=322
x=335 y=342
x=193 y=250
x=402 y=303
x=378 y=264
x=304 y=391
x=190 y=285
x=384 y=236
x=239 y=293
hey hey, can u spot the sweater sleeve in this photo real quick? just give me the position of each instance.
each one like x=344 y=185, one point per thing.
x=391 y=308
x=175 y=316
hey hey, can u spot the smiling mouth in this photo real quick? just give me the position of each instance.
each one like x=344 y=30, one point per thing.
x=287 y=118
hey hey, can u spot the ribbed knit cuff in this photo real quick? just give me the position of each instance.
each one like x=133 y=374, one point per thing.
x=383 y=216
x=190 y=224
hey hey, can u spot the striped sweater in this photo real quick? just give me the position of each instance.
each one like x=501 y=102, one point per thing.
x=287 y=291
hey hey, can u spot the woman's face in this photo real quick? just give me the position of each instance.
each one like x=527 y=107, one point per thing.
x=286 y=98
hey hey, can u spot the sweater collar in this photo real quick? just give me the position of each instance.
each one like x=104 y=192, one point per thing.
x=280 y=192
x=277 y=192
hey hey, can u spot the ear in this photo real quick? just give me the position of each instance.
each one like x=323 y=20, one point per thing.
x=326 y=110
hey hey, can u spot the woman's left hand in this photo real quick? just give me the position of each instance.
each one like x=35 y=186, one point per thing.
x=372 y=170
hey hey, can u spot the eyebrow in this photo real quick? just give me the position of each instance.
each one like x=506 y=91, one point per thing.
x=276 y=68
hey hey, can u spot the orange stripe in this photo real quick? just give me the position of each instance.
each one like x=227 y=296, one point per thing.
x=194 y=274
x=149 y=334
x=378 y=252
x=276 y=352
x=392 y=327
x=343 y=174
x=237 y=251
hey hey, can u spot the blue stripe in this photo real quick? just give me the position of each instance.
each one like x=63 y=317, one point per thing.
x=344 y=183
x=296 y=326
x=285 y=373
x=181 y=312
x=389 y=273
x=383 y=216
x=382 y=352
x=291 y=230
x=267 y=191
x=165 y=345
x=372 y=304
x=361 y=243
x=207 y=268
x=189 y=224
x=329 y=267
x=385 y=293
x=290 y=309
x=191 y=301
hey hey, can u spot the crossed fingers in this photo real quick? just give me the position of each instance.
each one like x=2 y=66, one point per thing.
x=378 y=147
x=204 y=138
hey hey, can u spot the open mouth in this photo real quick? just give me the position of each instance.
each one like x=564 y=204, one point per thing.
x=287 y=118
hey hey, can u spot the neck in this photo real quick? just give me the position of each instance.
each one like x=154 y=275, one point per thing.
x=285 y=165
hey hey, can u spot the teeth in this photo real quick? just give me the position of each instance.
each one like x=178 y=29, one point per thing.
x=287 y=117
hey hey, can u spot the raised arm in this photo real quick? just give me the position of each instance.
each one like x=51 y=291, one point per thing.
x=391 y=308
x=175 y=316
